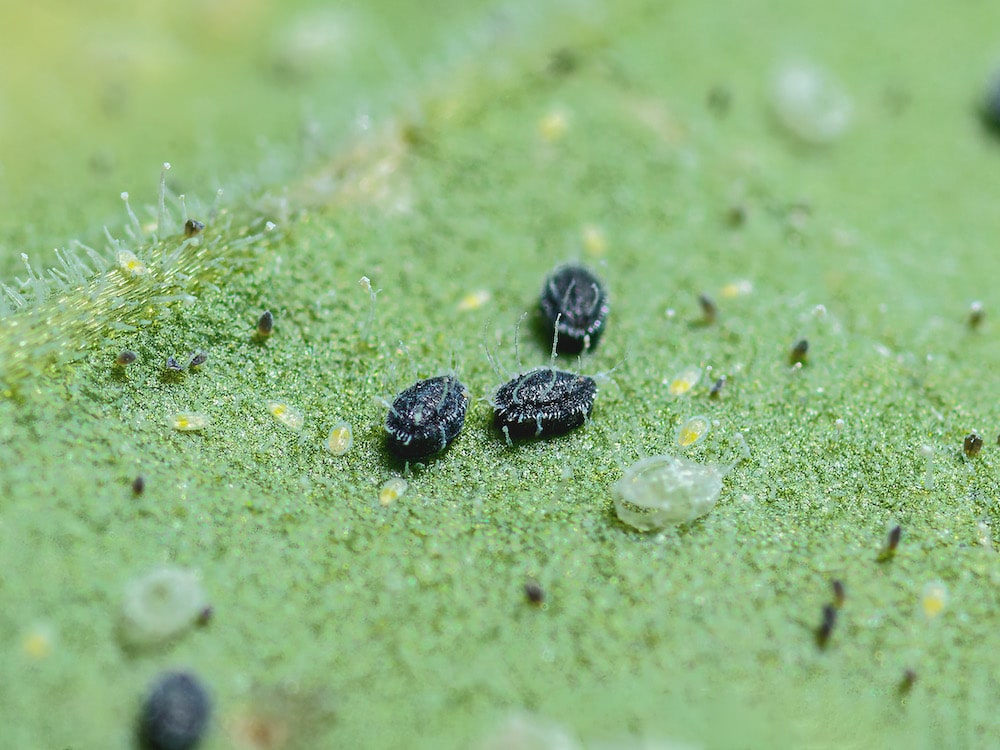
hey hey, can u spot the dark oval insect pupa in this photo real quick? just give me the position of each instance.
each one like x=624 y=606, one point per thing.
x=426 y=417
x=575 y=306
x=543 y=402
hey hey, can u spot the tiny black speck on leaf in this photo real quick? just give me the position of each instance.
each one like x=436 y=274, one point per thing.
x=265 y=324
x=839 y=593
x=976 y=315
x=198 y=359
x=717 y=387
x=575 y=305
x=138 y=485
x=891 y=543
x=709 y=312
x=426 y=417
x=534 y=592
x=205 y=616
x=907 y=681
x=894 y=536
x=176 y=713
x=972 y=445
x=173 y=365
x=799 y=352
x=543 y=402
x=192 y=227
x=825 y=629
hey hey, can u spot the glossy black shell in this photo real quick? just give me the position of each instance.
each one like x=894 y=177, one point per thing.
x=426 y=417
x=543 y=402
x=176 y=713
x=576 y=298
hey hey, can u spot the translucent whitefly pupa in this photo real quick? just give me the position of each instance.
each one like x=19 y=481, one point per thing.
x=662 y=491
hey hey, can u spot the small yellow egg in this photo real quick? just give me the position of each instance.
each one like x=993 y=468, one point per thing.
x=287 y=415
x=341 y=439
x=693 y=431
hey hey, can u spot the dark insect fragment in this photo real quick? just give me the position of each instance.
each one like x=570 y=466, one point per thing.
x=799 y=353
x=265 y=325
x=575 y=306
x=205 y=616
x=173 y=365
x=138 y=485
x=839 y=593
x=198 y=359
x=717 y=387
x=891 y=543
x=534 y=592
x=176 y=713
x=976 y=315
x=825 y=629
x=709 y=312
x=906 y=682
x=972 y=445
x=543 y=402
x=426 y=417
x=192 y=227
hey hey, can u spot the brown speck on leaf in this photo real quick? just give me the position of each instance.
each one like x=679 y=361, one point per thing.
x=799 y=353
x=709 y=312
x=907 y=681
x=192 y=227
x=265 y=325
x=839 y=593
x=717 y=387
x=825 y=629
x=973 y=444
x=534 y=592
x=891 y=543
x=975 y=315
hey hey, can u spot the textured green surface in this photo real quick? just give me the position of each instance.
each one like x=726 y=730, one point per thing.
x=407 y=626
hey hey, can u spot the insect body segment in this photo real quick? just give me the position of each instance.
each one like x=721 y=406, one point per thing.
x=426 y=417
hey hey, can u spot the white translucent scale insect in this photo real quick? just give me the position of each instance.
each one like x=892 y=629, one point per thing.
x=662 y=491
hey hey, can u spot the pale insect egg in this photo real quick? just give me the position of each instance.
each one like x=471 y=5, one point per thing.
x=129 y=262
x=474 y=300
x=553 y=126
x=340 y=439
x=160 y=605
x=666 y=490
x=188 y=421
x=693 y=431
x=287 y=415
x=595 y=242
x=683 y=381
x=934 y=599
x=38 y=641
x=810 y=104
x=738 y=288
x=391 y=491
